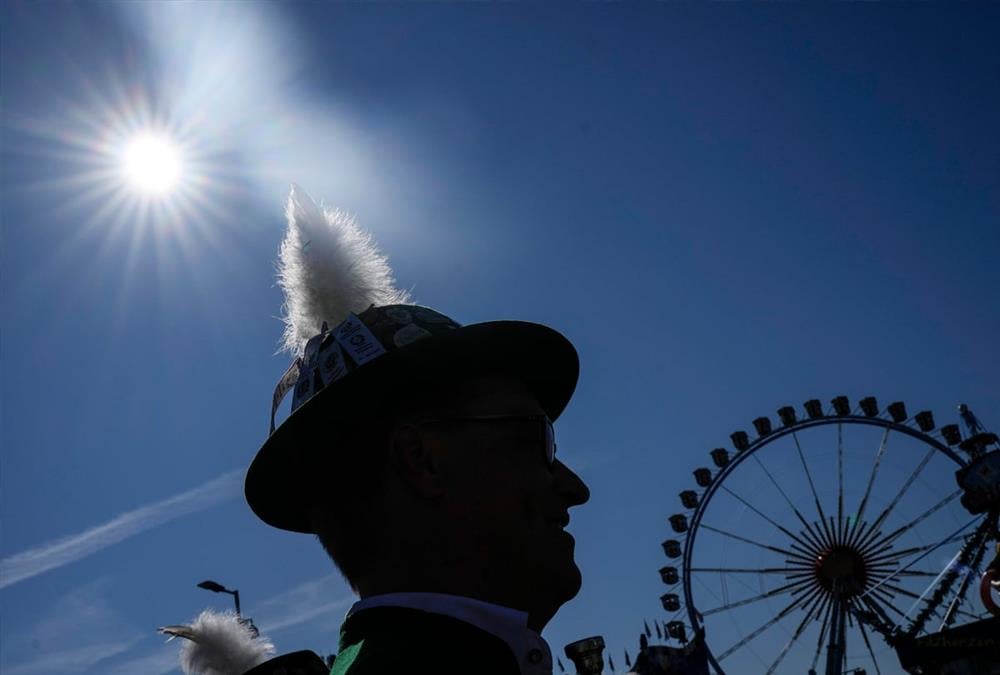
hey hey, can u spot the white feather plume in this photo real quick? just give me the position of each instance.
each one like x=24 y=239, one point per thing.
x=218 y=644
x=328 y=268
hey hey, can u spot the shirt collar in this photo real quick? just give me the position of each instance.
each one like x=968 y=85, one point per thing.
x=510 y=625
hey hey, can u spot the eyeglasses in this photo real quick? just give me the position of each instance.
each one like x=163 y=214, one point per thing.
x=543 y=423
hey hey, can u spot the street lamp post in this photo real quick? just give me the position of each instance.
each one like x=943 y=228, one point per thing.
x=216 y=587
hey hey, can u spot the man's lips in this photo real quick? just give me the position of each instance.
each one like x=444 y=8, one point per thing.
x=558 y=522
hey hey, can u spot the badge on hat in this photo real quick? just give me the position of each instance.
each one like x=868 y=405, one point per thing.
x=330 y=270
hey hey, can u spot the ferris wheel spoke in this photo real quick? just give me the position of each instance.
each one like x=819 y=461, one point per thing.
x=792 y=588
x=896 y=556
x=771 y=521
x=954 y=609
x=816 y=598
x=763 y=627
x=877 y=616
x=900 y=531
x=812 y=487
x=786 y=571
x=916 y=573
x=882 y=600
x=826 y=610
x=868 y=644
x=840 y=480
x=883 y=595
x=863 y=532
x=901 y=591
x=859 y=517
x=775 y=549
x=968 y=615
x=926 y=550
x=944 y=579
x=878 y=573
x=725 y=595
x=816 y=538
x=813 y=538
x=895 y=500
x=970 y=558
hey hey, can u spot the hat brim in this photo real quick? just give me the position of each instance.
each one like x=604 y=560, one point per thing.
x=540 y=357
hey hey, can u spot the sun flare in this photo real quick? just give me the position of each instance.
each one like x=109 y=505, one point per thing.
x=152 y=164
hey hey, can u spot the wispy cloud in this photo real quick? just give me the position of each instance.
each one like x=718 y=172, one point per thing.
x=302 y=603
x=80 y=631
x=159 y=662
x=66 y=550
x=72 y=660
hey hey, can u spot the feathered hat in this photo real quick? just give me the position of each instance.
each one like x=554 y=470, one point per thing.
x=224 y=643
x=357 y=345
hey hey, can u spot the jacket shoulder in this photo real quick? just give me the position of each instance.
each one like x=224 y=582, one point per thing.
x=378 y=644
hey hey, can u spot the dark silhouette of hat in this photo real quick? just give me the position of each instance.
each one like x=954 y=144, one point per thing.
x=374 y=359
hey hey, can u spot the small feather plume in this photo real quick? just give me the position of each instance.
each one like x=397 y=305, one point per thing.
x=218 y=644
x=328 y=268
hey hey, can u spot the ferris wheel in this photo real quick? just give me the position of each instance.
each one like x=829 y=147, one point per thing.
x=826 y=540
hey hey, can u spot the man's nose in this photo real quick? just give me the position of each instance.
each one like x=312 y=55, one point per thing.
x=570 y=485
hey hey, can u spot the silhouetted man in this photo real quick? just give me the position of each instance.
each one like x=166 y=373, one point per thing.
x=422 y=455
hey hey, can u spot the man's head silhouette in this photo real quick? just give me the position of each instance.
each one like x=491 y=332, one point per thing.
x=468 y=497
x=422 y=454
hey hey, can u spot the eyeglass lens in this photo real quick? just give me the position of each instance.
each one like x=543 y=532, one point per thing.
x=550 y=443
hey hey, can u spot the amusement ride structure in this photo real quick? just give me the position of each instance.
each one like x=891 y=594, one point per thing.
x=846 y=540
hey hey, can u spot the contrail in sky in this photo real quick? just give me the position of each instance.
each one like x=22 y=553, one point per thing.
x=66 y=550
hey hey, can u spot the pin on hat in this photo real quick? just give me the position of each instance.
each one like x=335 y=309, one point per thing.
x=358 y=344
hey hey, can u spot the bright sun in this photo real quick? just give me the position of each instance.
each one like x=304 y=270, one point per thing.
x=152 y=164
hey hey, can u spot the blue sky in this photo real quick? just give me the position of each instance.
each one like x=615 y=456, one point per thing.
x=727 y=208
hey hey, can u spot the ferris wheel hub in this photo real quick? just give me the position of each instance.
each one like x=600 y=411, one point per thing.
x=842 y=571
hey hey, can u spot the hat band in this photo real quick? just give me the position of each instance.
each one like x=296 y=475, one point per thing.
x=322 y=362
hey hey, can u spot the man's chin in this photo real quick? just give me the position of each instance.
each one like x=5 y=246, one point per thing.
x=567 y=577
x=565 y=582
x=560 y=586
x=574 y=581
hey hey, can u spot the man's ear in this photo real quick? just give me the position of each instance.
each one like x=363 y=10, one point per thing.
x=416 y=463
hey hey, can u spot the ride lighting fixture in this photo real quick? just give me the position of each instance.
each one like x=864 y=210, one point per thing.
x=841 y=406
x=869 y=406
x=897 y=411
x=925 y=420
x=814 y=409
x=703 y=477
